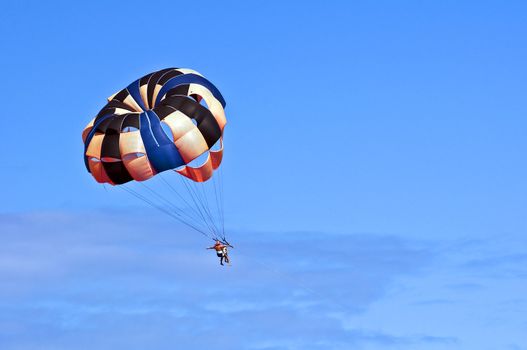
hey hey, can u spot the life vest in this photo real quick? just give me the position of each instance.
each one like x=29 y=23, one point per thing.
x=220 y=248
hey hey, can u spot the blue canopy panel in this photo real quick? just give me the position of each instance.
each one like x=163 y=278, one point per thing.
x=161 y=151
x=133 y=90
x=190 y=79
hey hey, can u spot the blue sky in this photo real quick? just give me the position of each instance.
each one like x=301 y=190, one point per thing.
x=374 y=178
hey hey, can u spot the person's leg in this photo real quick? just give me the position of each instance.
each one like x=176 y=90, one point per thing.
x=221 y=260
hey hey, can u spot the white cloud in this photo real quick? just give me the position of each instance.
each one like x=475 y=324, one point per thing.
x=134 y=280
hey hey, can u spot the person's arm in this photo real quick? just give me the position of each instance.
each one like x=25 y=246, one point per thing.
x=210 y=247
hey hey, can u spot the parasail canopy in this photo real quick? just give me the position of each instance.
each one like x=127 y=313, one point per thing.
x=172 y=119
x=157 y=123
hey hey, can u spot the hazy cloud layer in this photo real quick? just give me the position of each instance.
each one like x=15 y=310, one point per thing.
x=114 y=280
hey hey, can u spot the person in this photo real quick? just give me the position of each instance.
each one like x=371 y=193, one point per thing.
x=221 y=252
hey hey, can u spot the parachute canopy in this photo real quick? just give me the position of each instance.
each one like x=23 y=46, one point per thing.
x=162 y=121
